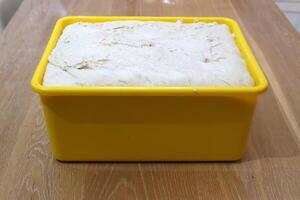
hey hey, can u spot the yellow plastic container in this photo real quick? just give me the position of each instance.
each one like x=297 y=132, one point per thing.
x=149 y=123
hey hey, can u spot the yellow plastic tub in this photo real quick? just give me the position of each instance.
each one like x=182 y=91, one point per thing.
x=149 y=123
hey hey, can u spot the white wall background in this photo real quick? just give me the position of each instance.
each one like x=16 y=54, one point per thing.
x=291 y=8
x=7 y=10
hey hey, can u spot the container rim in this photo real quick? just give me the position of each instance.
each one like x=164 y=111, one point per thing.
x=260 y=86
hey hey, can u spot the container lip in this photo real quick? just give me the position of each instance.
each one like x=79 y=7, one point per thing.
x=260 y=86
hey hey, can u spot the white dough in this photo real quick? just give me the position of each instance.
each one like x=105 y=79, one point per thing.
x=135 y=53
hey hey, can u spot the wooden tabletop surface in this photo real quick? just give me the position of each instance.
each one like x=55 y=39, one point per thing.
x=269 y=170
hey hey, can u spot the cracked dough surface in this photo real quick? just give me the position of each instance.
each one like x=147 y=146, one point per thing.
x=135 y=53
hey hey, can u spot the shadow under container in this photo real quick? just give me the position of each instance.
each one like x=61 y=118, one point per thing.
x=149 y=123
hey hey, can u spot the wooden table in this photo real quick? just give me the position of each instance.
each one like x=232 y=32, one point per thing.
x=270 y=169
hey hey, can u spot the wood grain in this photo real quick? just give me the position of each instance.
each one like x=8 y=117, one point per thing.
x=269 y=170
